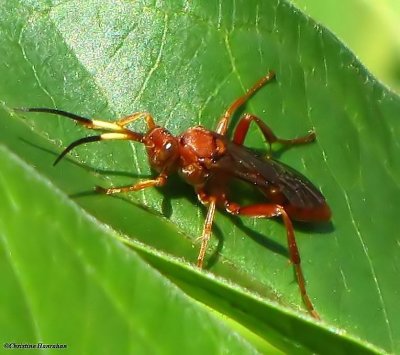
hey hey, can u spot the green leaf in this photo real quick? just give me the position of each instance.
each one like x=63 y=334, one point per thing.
x=69 y=283
x=185 y=62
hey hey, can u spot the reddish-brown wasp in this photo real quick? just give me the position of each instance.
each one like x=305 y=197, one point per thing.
x=207 y=160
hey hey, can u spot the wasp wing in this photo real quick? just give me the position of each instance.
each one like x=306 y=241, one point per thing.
x=246 y=165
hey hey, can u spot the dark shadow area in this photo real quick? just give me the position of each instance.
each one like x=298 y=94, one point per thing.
x=86 y=167
x=82 y=194
x=177 y=188
x=93 y=192
x=260 y=238
x=314 y=227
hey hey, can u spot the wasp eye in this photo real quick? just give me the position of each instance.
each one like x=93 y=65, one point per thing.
x=167 y=145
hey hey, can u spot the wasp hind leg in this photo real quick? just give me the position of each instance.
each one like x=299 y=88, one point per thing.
x=242 y=129
x=269 y=210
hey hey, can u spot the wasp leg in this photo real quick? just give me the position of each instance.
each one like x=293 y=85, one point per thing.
x=243 y=127
x=212 y=194
x=158 y=181
x=206 y=234
x=224 y=121
x=130 y=118
x=274 y=210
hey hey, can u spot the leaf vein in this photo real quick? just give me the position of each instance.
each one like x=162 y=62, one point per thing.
x=371 y=266
x=157 y=62
x=24 y=55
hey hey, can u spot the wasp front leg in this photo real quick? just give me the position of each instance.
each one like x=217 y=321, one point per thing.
x=158 y=181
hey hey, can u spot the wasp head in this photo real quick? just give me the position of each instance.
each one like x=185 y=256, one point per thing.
x=162 y=149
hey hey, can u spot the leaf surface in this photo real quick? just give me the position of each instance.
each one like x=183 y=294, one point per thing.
x=185 y=63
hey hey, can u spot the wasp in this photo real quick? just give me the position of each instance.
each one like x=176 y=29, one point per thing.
x=208 y=160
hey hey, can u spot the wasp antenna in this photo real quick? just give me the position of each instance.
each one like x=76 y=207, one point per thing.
x=53 y=111
x=105 y=136
x=75 y=144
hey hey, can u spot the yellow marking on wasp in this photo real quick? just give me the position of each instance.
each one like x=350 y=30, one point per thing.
x=106 y=136
x=107 y=125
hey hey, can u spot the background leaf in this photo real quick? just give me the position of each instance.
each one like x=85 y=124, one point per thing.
x=373 y=35
x=184 y=63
